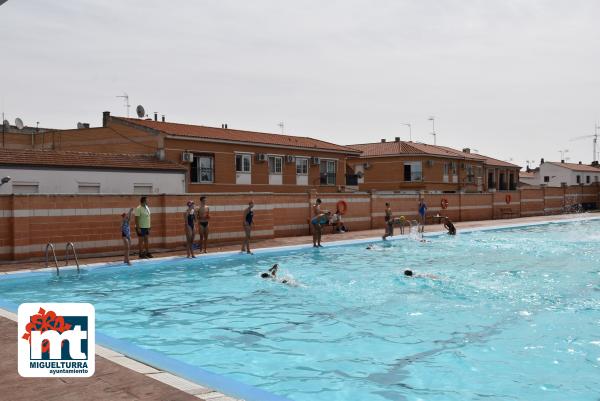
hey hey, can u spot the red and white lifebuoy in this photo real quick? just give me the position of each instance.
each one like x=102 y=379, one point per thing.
x=508 y=198
x=342 y=207
x=444 y=203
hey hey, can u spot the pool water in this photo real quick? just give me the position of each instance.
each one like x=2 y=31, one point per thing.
x=514 y=314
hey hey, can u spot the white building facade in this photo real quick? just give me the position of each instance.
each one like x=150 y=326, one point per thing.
x=554 y=174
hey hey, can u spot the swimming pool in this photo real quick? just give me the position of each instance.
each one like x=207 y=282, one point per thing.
x=514 y=315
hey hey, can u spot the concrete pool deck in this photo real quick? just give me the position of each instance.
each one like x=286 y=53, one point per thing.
x=121 y=378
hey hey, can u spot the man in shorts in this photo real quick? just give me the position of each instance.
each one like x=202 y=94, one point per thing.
x=142 y=227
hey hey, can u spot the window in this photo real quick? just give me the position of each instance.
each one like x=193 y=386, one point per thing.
x=142 y=189
x=446 y=168
x=25 y=187
x=88 y=188
x=587 y=179
x=578 y=179
x=328 y=171
x=201 y=169
x=413 y=171
x=546 y=178
x=301 y=166
x=275 y=164
x=470 y=174
x=243 y=163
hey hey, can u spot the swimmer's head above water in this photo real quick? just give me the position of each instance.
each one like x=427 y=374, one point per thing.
x=272 y=272
x=408 y=272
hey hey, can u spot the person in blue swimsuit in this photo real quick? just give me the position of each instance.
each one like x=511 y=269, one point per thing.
x=190 y=220
x=126 y=235
x=248 y=223
x=422 y=213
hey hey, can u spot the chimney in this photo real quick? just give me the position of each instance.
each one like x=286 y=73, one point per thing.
x=466 y=150
x=155 y=116
x=562 y=161
x=541 y=161
x=579 y=161
x=397 y=139
x=382 y=140
x=163 y=118
x=86 y=125
x=105 y=118
x=595 y=164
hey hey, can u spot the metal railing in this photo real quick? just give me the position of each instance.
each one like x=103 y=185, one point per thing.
x=50 y=245
x=72 y=246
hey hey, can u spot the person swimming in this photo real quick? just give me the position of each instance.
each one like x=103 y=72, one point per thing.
x=271 y=274
x=409 y=273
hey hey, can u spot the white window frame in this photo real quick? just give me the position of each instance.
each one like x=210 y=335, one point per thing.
x=272 y=162
x=19 y=186
x=244 y=157
x=87 y=186
x=302 y=162
x=142 y=188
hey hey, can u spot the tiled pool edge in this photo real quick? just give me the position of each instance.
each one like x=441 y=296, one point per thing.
x=184 y=377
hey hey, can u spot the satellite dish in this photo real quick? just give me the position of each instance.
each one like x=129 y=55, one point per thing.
x=79 y=125
x=140 y=111
x=19 y=123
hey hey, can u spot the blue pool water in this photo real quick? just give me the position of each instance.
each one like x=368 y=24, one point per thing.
x=514 y=315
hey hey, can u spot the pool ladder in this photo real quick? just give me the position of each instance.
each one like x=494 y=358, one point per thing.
x=70 y=245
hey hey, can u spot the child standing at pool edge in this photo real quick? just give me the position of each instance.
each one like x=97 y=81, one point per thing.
x=126 y=235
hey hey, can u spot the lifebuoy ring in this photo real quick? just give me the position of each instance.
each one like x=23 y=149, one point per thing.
x=508 y=198
x=342 y=207
x=444 y=203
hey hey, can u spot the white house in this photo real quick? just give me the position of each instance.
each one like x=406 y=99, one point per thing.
x=51 y=172
x=555 y=174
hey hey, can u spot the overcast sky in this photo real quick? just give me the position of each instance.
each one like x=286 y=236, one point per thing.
x=513 y=79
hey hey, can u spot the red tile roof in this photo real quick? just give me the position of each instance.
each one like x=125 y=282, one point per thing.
x=405 y=148
x=526 y=174
x=27 y=157
x=577 y=167
x=227 y=134
x=414 y=148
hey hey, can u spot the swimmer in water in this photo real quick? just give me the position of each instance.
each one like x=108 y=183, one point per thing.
x=448 y=225
x=272 y=275
x=409 y=273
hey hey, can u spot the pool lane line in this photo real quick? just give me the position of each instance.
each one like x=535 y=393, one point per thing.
x=158 y=364
x=274 y=250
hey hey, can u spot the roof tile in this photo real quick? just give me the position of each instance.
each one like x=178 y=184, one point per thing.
x=199 y=131
x=28 y=157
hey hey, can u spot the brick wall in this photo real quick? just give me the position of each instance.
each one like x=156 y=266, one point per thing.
x=92 y=222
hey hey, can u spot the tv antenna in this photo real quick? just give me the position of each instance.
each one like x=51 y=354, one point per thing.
x=140 y=111
x=432 y=119
x=19 y=123
x=281 y=125
x=595 y=141
x=409 y=130
x=563 y=152
x=125 y=97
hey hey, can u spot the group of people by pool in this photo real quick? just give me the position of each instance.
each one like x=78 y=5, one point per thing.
x=197 y=218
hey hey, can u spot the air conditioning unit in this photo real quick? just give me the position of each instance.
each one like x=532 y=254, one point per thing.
x=290 y=159
x=261 y=157
x=187 y=157
x=315 y=161
x=366 y=166
x=429 y=163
